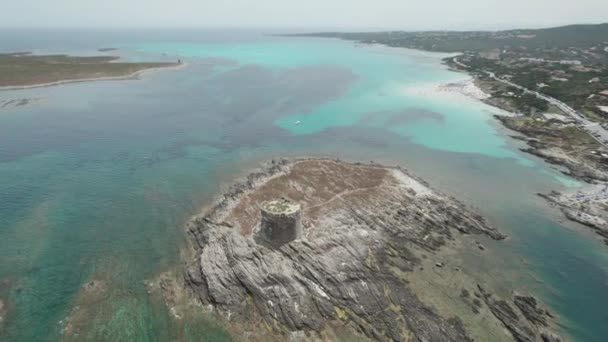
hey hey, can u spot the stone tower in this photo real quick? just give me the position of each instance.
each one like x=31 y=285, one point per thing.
x=280 y=222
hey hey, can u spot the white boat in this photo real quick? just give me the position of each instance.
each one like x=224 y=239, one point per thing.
x=297 y=122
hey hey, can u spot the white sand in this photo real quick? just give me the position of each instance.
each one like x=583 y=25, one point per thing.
x=466 y=88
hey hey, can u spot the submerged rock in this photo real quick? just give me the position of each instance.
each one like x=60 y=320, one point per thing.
x=84 y=310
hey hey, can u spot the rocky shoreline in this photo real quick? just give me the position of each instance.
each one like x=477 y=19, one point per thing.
x=579 y=158
x=569 y=150
x=546 y=135
x=583 y=208
x=371 y=234
x=553 y=146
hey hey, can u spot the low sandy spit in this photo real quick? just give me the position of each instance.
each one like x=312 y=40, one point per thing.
x=133 y=76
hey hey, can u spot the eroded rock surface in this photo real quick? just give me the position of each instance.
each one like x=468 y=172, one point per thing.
x=364 y=228
x=530 y=309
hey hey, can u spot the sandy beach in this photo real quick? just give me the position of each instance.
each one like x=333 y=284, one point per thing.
x=458 y=89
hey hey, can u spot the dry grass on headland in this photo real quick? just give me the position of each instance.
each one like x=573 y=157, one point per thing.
x=27 y=70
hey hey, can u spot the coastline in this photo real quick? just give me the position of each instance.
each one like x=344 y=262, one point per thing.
x=556 y=155
x=588 y=168
x=534 y=146
x=461 y=89
x=587 y=207
x=465 y=87
x=133 y=76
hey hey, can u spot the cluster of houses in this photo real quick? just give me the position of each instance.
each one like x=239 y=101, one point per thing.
x=542 y=60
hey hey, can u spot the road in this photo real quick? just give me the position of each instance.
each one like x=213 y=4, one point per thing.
x=597 y=132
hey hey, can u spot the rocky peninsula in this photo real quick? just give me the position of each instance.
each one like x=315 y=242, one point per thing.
x=319 y=249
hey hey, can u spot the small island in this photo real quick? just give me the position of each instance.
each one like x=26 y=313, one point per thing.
x=25 y=70
x=322 y=249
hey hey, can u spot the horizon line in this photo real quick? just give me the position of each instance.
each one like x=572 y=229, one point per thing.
x=312 y=29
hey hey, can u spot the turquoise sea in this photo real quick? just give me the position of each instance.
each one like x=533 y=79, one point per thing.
x=97 y=179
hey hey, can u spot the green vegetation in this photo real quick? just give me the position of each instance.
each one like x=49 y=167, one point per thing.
x=569 y=138
x=24 y=69
x=543 y=41
x=280 y=206
x=530 y=103
x=576 y=85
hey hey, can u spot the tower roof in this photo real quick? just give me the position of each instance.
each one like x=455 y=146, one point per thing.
x=282 y=206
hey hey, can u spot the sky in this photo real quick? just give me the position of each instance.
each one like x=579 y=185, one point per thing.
x=346 y=14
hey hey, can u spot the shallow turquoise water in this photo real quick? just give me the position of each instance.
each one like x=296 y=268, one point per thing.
x=97 y=179
x=386 y=82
